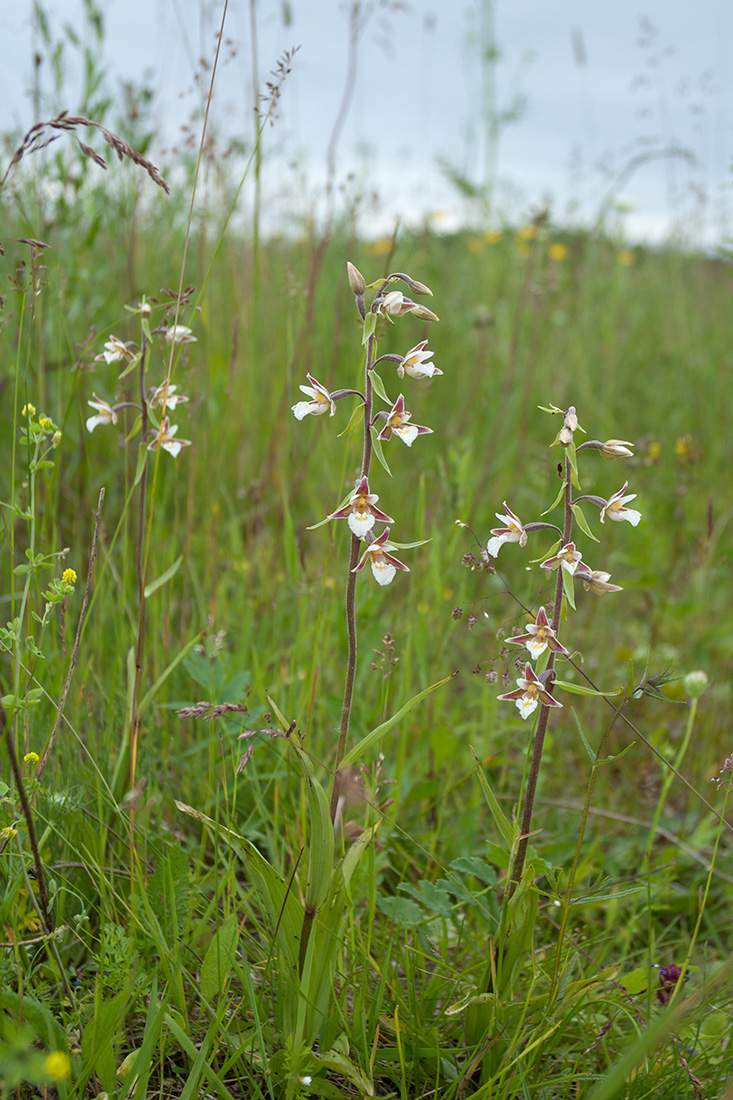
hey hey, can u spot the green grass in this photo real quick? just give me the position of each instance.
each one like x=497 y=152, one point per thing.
x=137 y=965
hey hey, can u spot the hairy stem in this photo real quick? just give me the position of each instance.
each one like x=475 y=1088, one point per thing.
x=539 y=740
x=366 y=461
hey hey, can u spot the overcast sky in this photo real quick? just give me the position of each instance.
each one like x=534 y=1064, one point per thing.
x=625 y=97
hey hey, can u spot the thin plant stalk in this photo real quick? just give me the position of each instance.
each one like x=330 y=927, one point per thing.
x=539 y=739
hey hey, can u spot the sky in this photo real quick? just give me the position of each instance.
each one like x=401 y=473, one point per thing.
x=618 y=110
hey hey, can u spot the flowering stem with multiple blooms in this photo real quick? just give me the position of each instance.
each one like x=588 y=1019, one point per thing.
x=536 y=690
x=360 y=509
x=156 y=432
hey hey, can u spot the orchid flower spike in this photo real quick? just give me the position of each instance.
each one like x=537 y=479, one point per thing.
x=322 y=401
x=530 y=693
x=105 y=413
x=415 y=363
x=513 y=532
x=384 y=565
x=539 y=637
x=397 y=422
x=164 y=438
x=615 y=509
x=360 y=513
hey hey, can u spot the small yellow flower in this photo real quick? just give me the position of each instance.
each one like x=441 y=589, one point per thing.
x=31 y=758
x=654 y=450
x=380 y=247
x=56 y=438
x=58 y=1065
x=683 y=446
x=625 y=257
x=557 y=252
x=493 y=236
x=28 y=410
x=69 y=576
x=45 y=422
x=8 y=832
x=527 y=233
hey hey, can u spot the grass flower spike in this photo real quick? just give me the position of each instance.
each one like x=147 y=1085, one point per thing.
x=384 y=565
x=615 y=507
x=321 y=401
x=360 y=513
x=105 y=413
x=397 y=422
x=530 y=693
x=539 y=637
x=513 y=532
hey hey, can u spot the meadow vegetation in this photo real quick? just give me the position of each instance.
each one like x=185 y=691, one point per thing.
x=149 y=877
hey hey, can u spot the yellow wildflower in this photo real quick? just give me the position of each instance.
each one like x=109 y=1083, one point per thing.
x=45 y=422
x=557 y=252
x=493 y=236
x=625 y=257
x=28 y=410
x=380 y=247
x=31 y=758
x=527 y=233
x=69 y=576
x=57 y=1065
x=8 y=832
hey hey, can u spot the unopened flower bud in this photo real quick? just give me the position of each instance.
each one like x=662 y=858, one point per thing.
x=571 y=419
x=424 y=314
x=419 y=288
x=695 y=683
x=492 y=676
x=471 y=620
x=145 y=309
x=356 y=279
x=456 y=613
x=617 y=448
x=566 y=436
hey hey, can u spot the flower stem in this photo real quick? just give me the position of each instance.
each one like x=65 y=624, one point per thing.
x=539 y=739
x=366 y=461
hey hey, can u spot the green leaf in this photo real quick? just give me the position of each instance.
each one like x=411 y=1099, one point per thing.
x=356 y=421
x=379 y=452
x=378 y=387
x=219 y=959
x=567 y=587
x=409 y=545
x=371 y=738
x=100 y=1037
x=500 y=819
x=583 y=738
x=135 y=428
x=161 y=580
x=130 y=366
x=581 y=689
x=556 y=501
x=370 y=325
x=141 y=457
x=321 y=838
x=281 y=907
x=582 y=521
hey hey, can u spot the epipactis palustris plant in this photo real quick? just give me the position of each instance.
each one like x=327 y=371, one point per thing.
x=153 y=403
x=359 y=507
x=538 y=682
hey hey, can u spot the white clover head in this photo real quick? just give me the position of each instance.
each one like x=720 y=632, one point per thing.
x=384 y=564
x=397 y=423
x=105 y=413
x=530 y=692
x=360 y=513
x=164 y=438
x=615 y=507
x=513 y=532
